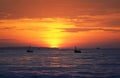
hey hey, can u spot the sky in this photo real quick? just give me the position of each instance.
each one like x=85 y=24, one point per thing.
x=60 y=23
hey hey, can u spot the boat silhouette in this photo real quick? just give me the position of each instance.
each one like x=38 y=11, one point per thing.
x=98 y=48
x=77 y=50
x=29 y=50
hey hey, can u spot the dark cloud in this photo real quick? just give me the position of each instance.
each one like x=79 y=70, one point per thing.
x=7 y=27
x=28 y=28
x=112 y=23
x=6 y=39
x=74 y=30
x=97 y=21
x=15 y=28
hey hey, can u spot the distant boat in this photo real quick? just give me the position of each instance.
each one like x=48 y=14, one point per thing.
x=98 y=48
x=30 y=50
x=77 y=50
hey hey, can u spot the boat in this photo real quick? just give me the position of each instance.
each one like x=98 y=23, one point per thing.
x=30 y=50
x=98 y=48
x=77 y=50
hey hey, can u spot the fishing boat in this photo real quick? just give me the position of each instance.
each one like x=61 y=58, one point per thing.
x=77 y=50
x=98 y=48
x=30 y=50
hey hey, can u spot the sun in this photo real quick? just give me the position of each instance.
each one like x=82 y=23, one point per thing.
x=54 y=43
x=54 y=46
x=54 y=37
x=45 y=32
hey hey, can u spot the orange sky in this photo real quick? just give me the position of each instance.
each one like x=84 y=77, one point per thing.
x=60 y=23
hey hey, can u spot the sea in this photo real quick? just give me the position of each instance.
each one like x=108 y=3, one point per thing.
x=59 y=63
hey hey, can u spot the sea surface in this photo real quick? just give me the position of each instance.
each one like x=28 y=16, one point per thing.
x=60 y=63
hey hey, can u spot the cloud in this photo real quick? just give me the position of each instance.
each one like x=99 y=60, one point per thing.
x=14 y=9
x=75 y=30
x=81 y=23
x=112 y=22
x=97 y=21
x=34 y=28
x=6 y=39
x=7 y=27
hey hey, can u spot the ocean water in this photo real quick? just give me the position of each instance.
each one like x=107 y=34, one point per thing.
x=56 y=63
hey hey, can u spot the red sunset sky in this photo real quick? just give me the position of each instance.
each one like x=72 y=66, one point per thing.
x=60 y=23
